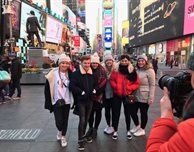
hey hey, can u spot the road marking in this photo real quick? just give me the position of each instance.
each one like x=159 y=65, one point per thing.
x=20 y=134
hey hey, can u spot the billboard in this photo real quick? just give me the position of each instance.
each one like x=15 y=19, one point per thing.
x=40 y=2
x=108 y=34
x=154 y=20
x=76 y=40
x=108 y=4
x=25 y=13
x=189 y=17
x=54 y=30
x=125 y=29
x=82 y=10
x=56 y=7
x=15 y=18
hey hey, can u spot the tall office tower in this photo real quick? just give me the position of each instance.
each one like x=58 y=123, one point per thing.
x=72 y=4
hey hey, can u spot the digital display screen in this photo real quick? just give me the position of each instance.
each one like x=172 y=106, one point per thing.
x=155 y=20
x=25 y=13
x=56 y=7
x=54 y=29
x=40 y=2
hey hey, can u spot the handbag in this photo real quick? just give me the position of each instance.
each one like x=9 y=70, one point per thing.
x=60 y=103
x=5 y=77
x=130 y=98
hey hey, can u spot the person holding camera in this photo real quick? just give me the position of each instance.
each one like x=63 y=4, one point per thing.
x=166 y=135
x=124 y=81
x=145 y=94
x=84 y=86
x=58 y=96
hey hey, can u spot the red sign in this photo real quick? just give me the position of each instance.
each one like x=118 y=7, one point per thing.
x=76 y=40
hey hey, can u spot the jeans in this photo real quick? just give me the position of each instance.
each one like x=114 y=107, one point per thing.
x=84 y=114
x=108 y=110
x=15 y=84
x=97 y=112
x=61 y=118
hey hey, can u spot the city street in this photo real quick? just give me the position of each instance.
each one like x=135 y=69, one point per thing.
x=29 y=114
x=27 y=127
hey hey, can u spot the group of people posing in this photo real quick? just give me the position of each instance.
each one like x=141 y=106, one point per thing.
x=96 y=85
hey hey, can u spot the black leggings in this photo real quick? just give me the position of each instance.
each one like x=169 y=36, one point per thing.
x=61 y=118
x=108 y=110
x=143 y=112
x=97 y=112
x=128 y=111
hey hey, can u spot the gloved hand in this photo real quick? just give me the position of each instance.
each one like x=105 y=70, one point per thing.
x=94 y=91
x=83 y=93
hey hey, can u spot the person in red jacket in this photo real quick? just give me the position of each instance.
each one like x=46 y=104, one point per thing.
x=166 y=135
x=124 y=80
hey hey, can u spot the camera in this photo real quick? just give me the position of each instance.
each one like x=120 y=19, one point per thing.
x=179 y=87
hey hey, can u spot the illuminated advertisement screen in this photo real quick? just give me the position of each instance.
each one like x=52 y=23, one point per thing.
x=56 y=7
x=189 y=17
x=25 y=13
x=154 y=20
x=54 y=30
x=15 y=19
x=40 y=2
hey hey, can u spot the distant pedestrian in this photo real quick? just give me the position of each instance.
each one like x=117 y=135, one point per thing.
x=96 y=113
x=155 y=65
x=16 y=75
x=171 y=63
x=83 y=84
x=109 y=66
x=58 y=97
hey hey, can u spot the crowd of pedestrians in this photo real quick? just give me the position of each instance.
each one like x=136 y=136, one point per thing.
x=94 y=85
x=13 y=67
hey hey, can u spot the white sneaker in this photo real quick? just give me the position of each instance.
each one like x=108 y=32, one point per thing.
x=8 y=97
x=135 y=129
x=108 y=130
x=140 y=132
x=129 y=136
x=59 y=135
x=16 y=98
x=115 y=135
x=63 y=141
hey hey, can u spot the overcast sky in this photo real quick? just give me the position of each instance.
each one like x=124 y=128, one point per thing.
x=92 y=12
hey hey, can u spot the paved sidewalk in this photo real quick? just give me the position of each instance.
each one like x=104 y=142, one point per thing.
x=29 y=113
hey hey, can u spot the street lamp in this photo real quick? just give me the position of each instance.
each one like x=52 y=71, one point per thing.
x=7 y=10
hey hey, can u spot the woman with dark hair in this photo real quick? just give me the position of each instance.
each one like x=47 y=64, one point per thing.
x=124 y=80
x=145 y=94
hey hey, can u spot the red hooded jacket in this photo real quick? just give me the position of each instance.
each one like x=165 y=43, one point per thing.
x=166 y=136
x=121 y=85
